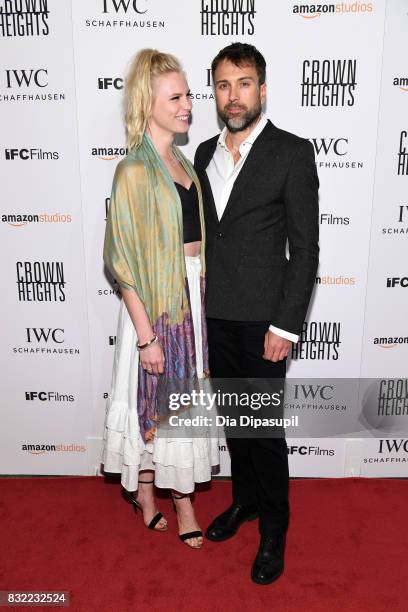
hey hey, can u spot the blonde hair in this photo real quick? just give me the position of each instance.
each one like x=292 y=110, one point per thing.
x=146 y=65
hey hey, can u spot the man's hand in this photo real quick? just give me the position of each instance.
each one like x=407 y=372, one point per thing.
x=276 y=348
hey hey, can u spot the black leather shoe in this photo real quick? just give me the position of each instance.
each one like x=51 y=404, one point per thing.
x=269 y=562
x=227 y=524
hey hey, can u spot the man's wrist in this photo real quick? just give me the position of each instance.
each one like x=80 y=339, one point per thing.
x=284 y=334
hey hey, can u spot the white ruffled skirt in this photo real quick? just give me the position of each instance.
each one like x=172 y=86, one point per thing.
x=178 y=463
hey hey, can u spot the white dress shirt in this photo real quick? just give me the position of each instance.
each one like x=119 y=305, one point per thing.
x=222 y=174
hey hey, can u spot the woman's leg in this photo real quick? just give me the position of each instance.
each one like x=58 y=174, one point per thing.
x=186 y=519
x=145 y=497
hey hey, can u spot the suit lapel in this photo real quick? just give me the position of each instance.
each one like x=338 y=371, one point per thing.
x=252 y=164
x=205 y=183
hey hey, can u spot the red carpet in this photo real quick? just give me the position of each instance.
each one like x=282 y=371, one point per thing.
x=347 y=549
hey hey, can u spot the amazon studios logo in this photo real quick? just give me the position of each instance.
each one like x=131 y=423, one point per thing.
x=318 y=340
x=401 y=82
x=329 y=82
x=227 y=17
x=27 y=85
x=333 y=153
x=45 y=341
x=109 y=153
x=24 y=18
x=390 y=341
x=40 y=449
x=311 y=11
x=40 y=281
x=21 y=219
x=335 y=281
x=124 y=14
x=403 y=154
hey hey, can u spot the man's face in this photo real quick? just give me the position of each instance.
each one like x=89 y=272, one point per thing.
x=238 y=95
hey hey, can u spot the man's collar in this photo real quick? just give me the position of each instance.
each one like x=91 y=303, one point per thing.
x=252 y=136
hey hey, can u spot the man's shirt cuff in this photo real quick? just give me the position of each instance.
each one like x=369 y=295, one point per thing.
x=284 y=334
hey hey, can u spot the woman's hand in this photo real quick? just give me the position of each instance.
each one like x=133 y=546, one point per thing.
x=152 y=359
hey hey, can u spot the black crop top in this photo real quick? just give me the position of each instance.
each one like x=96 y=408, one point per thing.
x=191 y=214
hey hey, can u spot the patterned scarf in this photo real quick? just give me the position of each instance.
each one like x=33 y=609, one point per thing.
x=143 y=251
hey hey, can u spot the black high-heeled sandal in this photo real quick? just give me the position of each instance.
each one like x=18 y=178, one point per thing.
x=130 y=497
x=191 y=534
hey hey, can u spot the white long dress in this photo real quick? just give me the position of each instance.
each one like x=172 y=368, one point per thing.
x=178 y=462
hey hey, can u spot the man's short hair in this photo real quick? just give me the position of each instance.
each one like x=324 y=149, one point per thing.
x=242 y=54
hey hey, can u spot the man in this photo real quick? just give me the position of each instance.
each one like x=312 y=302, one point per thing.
x=261 y=191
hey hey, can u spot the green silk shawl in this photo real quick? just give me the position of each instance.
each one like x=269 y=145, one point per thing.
x=143 y=246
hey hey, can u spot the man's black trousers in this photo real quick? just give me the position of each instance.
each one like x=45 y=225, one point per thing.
x=259 y=466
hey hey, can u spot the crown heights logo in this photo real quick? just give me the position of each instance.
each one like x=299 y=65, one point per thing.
x=392 y=397
x=329 y=82
x=40 y=281
x=228 y=17
x=318 y=340
x=24 y=18
x=403 y=154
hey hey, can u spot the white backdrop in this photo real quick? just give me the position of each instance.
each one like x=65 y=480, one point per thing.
x=336 y=75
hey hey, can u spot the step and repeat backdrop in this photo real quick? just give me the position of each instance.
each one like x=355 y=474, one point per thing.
x=337 y=74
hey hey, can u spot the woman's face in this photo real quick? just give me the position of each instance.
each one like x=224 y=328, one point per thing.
x=171 y=104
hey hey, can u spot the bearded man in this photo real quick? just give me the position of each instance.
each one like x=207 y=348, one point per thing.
x=260 y=189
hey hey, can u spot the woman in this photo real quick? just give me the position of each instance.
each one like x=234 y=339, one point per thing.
x=154 y=248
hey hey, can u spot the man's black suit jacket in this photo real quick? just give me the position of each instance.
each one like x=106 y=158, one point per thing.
x=274 y=199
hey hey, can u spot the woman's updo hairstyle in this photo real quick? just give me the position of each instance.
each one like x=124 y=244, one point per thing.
x=147 y=64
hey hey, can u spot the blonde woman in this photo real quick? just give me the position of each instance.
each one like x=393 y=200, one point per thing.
x=154 y=248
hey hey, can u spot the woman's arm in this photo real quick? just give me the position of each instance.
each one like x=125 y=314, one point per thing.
x=138 y=315
x=121 y=235
x=152 y=357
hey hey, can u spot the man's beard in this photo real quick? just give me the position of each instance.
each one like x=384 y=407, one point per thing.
x=238 y=124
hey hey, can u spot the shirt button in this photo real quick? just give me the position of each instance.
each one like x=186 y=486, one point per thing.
x=220 y=235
